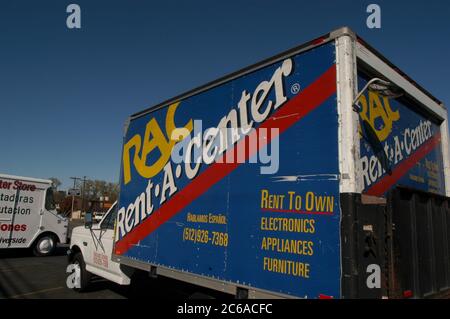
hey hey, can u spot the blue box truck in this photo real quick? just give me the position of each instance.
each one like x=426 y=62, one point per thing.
x=322 y=172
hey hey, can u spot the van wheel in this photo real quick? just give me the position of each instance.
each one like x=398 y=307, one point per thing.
x=44 y=246
x=80 y=268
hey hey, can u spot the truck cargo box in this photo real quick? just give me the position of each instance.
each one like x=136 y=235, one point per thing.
x=281 y=180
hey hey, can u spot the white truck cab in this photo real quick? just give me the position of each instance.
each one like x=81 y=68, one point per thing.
x=91 y=248
x=28 y=216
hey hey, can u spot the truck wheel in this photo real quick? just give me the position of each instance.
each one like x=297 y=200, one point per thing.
x=80 y=267
x=45 y=246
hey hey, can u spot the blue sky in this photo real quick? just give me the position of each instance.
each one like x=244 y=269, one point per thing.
x=65 y=94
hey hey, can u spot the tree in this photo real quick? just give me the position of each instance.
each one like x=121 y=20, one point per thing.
x=66 y=205
x=59 y=197
x=55 y=183
x=94 y=189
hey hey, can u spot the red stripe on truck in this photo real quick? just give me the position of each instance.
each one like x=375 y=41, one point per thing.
x=294 y=110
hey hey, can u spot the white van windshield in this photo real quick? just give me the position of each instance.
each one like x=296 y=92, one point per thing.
x=49 y=200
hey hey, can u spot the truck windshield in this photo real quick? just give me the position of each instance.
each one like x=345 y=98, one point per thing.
x=49 y=200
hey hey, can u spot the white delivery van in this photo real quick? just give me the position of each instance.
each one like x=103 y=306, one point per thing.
x=28 y=218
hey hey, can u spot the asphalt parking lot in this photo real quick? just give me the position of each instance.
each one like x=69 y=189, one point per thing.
x=23 y=276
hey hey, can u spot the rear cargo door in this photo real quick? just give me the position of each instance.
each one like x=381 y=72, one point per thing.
x=421 y=228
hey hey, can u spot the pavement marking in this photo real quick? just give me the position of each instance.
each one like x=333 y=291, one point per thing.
x=35 y=292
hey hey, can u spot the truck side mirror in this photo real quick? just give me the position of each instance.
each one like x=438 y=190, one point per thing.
x=88 y=220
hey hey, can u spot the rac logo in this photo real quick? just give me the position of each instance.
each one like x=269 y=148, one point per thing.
x=378 y=113
x=154 y=142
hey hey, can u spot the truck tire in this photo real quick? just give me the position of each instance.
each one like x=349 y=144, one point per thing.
x=45 y=246
x=85 y=276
